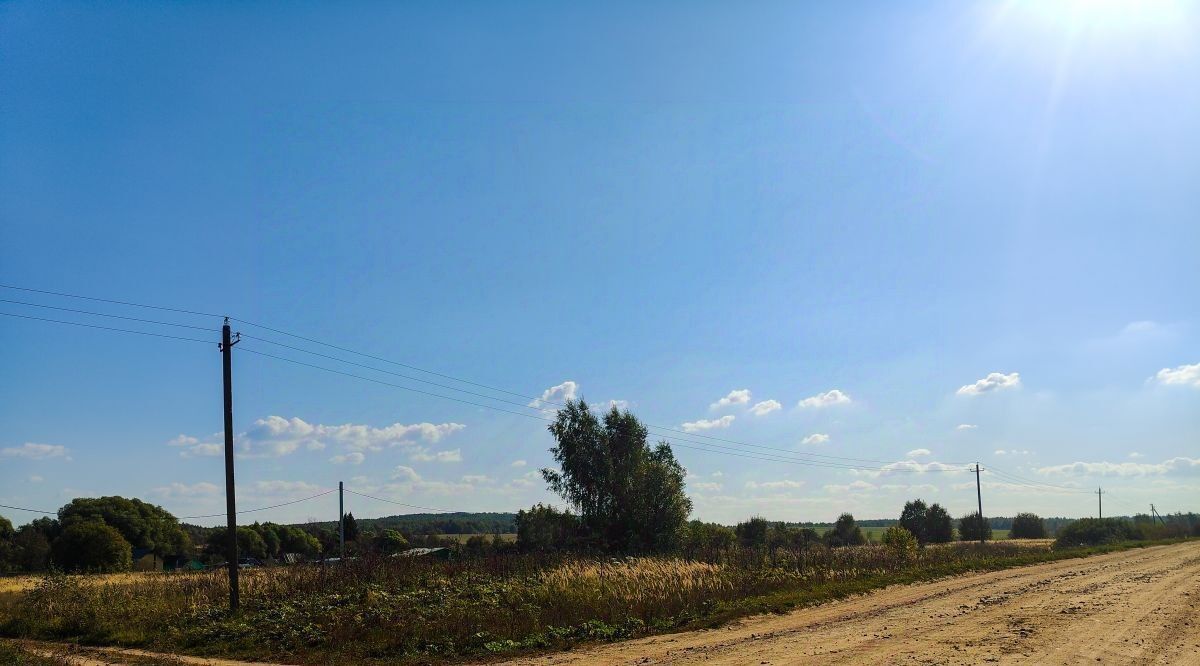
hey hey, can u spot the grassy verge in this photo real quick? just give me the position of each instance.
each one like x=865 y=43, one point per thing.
x=402 y=610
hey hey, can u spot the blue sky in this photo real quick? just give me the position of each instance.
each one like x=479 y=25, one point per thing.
x=661 y=204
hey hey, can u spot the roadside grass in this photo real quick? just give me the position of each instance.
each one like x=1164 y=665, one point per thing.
x=406 y=610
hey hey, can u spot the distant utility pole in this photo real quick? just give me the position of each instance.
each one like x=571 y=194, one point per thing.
x=1099 y=502
x=341 y=522
x=1154 y=514
x=979 y=498
x=231 y=551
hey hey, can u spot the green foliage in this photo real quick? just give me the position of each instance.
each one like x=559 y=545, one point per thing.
x=92 y=546
x=939 y=527
x=912 y=518
x=1096 y=531
x=544 y=528
x=902 y=543
x=143 y=525
x=390 y=541
x=845 y=532
x=707 y=539
x=753 y=533
x=1027 y=526
x=630 y=497
x=250 y=543
x=350 y=527
x=929 y=524
x=30 y=549
x=973 y=527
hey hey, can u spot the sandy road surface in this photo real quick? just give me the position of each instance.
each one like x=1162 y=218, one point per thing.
x=1132 y=607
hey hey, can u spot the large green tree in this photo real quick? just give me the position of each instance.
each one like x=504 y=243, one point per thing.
x=912 y=518
x=143 y=525
x=939 y=526
x=629 y=496
x=92 y=546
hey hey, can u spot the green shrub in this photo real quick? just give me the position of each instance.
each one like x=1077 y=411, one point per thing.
x=901 y=542
x=92 y=546
x=974 y=527
x=1027 y=526
x=1096 y=531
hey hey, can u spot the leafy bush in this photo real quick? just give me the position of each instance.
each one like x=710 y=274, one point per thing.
x=1096 y=531
x=1027 y=526
x=900 y=542
x=845 y=532
x=92 y=546
x=974 y=527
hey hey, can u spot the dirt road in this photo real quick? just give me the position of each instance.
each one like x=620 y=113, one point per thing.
x=1132 y=607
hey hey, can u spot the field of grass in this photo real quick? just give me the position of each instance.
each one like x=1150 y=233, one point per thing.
x=415 y=610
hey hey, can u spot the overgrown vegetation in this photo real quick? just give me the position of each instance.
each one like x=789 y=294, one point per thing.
x=421 y=609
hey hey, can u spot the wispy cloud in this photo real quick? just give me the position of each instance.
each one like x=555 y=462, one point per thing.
x=276 y=436
x=966 y=426
x=995 y=381
x=919 y=452
x=708 y=424
x=1174 y=466
x=735 y=397
x=1183 y=375
x=352 y=458
x=815 y=438
x=452 y=456
x=827 y=399
x=765 y=407
x=557 y=394
x=32 y=451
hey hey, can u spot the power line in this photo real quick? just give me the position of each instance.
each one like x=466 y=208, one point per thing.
x=261 y=508
x=411 y=506
x=22 y=508
x=106 y=328
x=714 y=448
x=1010 y=475
x=536 y=400
x=108 y=300
x=103 y=314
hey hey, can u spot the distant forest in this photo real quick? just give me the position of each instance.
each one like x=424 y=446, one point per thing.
x=438 y=523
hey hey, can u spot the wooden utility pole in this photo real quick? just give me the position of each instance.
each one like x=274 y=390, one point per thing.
x=1099 y=502
x=1154 y=515
x=231 y=550
x=341 y=522
x=979 y=498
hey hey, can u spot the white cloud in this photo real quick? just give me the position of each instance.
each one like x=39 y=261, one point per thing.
x=518 y=463
x=1185 y=375
x=765 y=407
x=280 y=487
x=815 y=439
x=1135 y=455
x=995 y=381
x=735 y=397
x=620 y=405
x=451 y=456
x=407 y=474
x=906 y=466
x=1173 y=466
x=826 y=399
x=966 y=426
x=353 y=458
x=860 y=486
x=706 y=486
x=183 y=490
x=708 y=424
x=718 y=474
x=1012 y=452
x=476 y=479
x=276 y=436
x=32 y=451
x=556 y=394
x=919 y=452
x=784 y=484
x=36 y=478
